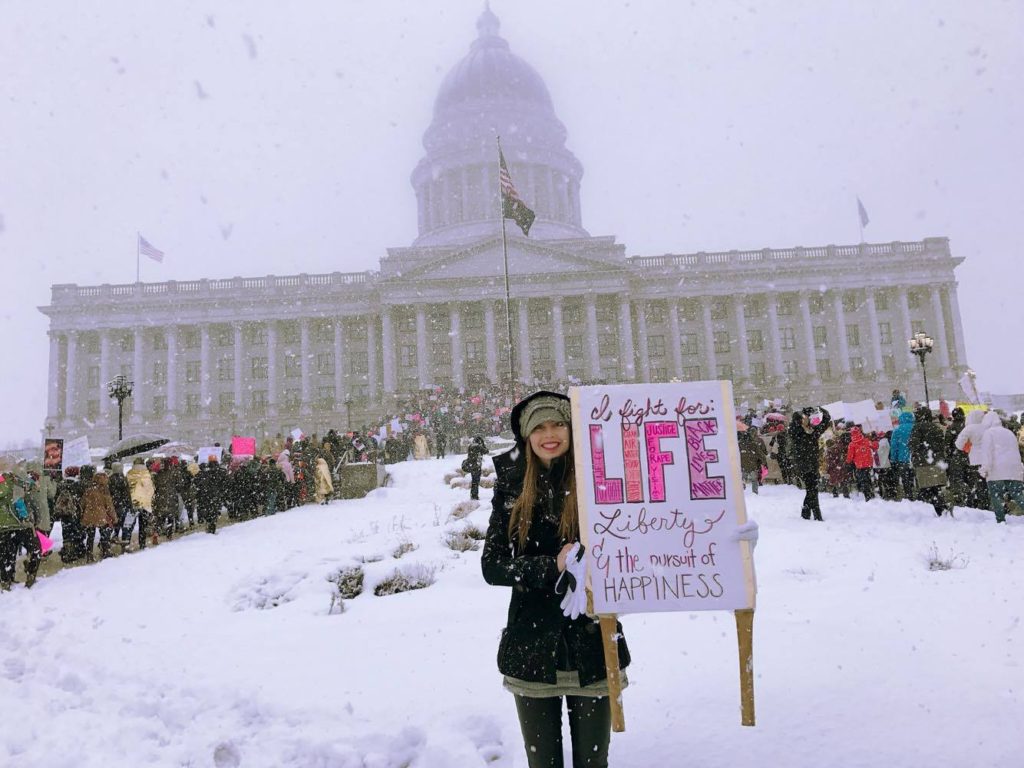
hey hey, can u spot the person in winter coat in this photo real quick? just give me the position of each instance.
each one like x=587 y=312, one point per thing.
x=165 y=500
x=805 y=430
x=969 y=440
x=1001 y=466
x=886 y=473
x=17 y=530
x=928 y=456
x=142 y=489
x=475 y=461
x=543 y=654
x=324 y=484
x=98 y=513
x=839 y=472
x=753 y=456
x=273 y=479
x=122 y=499
x=861 y=454
x=211 y=489
x=67 y=510
x=958 y=465
x=285 y=463
x=899 y=454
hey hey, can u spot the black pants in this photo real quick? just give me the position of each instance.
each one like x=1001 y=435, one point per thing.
x=811 y=506
x=934 y=497
x=90 y=540
x=864 y=484
x=474 y=486
x=590 y=722
x=10 y=543
x=905 y=475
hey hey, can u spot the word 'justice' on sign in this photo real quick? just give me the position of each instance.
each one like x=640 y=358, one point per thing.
x=660 y=496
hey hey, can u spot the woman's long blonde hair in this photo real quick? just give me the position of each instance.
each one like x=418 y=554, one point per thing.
x=522 y=509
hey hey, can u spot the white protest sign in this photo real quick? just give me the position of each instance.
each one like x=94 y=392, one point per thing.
x=203 y=454
x=660 y=496
x=76 y=452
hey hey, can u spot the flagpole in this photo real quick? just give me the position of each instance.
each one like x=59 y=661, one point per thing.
x=138 y=269
x=504 y=252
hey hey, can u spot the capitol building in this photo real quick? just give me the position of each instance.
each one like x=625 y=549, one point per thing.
x=259 y=355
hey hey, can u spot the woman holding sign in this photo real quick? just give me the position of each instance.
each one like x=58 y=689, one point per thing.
x=546 y=654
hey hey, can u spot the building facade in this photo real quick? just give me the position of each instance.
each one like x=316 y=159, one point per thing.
x=263 y=354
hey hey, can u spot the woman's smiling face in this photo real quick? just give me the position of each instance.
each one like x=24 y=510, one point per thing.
x=550 y=440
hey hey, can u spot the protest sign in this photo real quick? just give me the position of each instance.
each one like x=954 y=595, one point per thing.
x=243 y=446
x=53 y=455
x=203 y=454
x=76 y=452
x=660 y=497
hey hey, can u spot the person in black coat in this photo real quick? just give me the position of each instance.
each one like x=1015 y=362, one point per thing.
x=475 y=462
x=543 y=654
x=211 y=492
x=805 y=430
x=928 y=456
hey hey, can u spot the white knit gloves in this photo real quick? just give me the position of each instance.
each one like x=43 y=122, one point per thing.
x=574 y=580
x=747 y=532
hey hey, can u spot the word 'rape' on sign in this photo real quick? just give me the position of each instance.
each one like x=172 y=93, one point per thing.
x=660 y=496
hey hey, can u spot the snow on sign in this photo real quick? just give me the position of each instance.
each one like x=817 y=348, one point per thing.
x=660 y=496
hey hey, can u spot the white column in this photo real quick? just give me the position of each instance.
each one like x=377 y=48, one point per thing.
x=549 y=177
x=591 y=340
x=844 y=347
x=372 y=345
x=626 y=348
x=774 y=343
x=875 y=337
x=641 y=331
x=741 y=336
x=492 y=348
x=559 y=333
x=446 y=200
x=901 y=299
x=172 y=370
x=812 y=353
x=523 y=344
x=422 y=363
x=677 y=338
x=339 y=362
x=53 y=381
x=272 y=367
x=458 y=350
x=709 y=338
x=205 y=374
x=141 y=376
x=105 y=401
x=388 y=348
x=958 y=328
x=941 y=340
x=239 y=405
x=307 y=397
x=71 y=377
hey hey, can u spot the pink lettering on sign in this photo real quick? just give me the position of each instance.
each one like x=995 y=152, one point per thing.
x=631 y=462
x=702 y=486
x=657 y=458
x=606 y=491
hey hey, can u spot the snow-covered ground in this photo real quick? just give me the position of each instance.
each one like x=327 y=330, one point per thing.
x=220 y=651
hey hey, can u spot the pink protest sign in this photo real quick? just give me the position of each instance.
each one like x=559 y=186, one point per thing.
x=660 y=497
x=243 y=446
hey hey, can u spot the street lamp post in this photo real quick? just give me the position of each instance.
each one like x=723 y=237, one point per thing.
x=348 y=412
x=921 y=344
x=120 y=389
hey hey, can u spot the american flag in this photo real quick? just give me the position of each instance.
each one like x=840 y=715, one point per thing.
x=512 y=206
x=147 y=249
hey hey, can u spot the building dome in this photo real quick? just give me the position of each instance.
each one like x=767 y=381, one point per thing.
x=492 y=92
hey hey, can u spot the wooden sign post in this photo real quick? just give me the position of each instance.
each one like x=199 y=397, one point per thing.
x=660 y=496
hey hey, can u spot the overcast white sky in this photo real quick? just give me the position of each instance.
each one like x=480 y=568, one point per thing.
x=249 y=138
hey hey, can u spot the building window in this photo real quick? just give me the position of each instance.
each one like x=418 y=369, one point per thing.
x=825 y=370
x=656 y=312
x=884 y=333
x=258 y=402
x=539 y=314
x=889 y=366
x=659 y=374
x=754 y=306
x=791 y=368
x=688 y=310
x=721 y=341
x=191 y=404
x=226 y=403
x=406 y=323
x=572 y=313
x=857 y=366
x=325 y=363
x=407 y=355
x=849 y=302
x=226 y=369
x=913 y=300
x=92 y=410
x=159 y=405
x=473 y=320
x=290 y=333
x=325 y=397
x=160 y=372
x=441 y=353
x=882 y=301
x=292 y=366
x=574 y=347
x=605 y=312
x=159 y=342
x=192 y=371
x=784 y=308
x=540 y=349
x=93 y=379
x=126 y=342
x=439 y=321
x=719 y=309
x=853 y=335
x=474 y=351
x=292 y=399
x=689 y=343
x=255 y=334
x=258 y=368
x=190 y=339
x=656 y=346
x=92 y=343
x=357 y=331
x=758 y=377
x=788 y=340
x=755 y=341
x=724 y=372
x=607 y=345
x=358 y=362
x=691 y=373
x=323 y=331
x=223 y=336
x=917 y=326
x=816 y=303
x=820 y=336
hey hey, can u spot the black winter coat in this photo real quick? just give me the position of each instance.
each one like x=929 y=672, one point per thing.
x=538 y=639
x=804 y=450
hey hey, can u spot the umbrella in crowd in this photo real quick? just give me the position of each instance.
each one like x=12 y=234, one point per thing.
x=135 y=444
